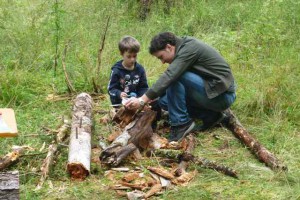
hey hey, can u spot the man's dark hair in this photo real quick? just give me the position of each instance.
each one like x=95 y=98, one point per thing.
x=160 y=41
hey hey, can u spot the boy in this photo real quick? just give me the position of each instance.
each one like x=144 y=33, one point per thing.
x=128 y=78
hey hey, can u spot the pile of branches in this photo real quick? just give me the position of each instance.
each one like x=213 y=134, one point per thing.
x=133 y=139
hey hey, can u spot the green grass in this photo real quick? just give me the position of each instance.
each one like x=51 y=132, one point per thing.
x=260 y=40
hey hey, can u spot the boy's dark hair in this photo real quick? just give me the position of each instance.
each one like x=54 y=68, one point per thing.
x=130 y=44
x=160 y=41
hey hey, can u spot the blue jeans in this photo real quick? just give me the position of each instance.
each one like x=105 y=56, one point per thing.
x=186 y=99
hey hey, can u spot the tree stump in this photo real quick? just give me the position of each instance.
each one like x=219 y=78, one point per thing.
x=9 y=185
x=80 y=139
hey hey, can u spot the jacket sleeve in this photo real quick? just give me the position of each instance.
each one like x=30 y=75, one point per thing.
x=143 y=84
x=114 y=88
x=184 y=60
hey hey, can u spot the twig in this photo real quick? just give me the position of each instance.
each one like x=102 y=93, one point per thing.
x=70 y=86
x=101 y=47
x=34 y=154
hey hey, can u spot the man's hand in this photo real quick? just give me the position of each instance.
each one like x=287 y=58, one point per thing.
x=135 y=103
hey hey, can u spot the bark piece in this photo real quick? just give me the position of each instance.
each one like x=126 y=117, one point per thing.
x=9 y=185
x=79 y=159
x=154 y=190
x=131 y=176
x=263 y=154
x=124 y=116
x=135 y=195
x=162 y=172
x=133 y=186
x=184 y=178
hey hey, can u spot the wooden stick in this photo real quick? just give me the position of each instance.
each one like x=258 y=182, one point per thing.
x=48 y=161
x=69 y=84
x=263 y=154
x=12 y=157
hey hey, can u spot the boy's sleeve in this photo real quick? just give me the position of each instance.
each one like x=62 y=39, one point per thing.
x=143 y=84
x=114 y=89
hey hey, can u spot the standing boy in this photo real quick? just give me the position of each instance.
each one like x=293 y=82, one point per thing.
x=128 y=78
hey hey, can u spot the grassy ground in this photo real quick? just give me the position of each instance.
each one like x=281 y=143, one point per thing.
x=260 y=40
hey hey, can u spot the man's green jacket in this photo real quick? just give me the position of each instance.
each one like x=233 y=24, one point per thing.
x=195 y=56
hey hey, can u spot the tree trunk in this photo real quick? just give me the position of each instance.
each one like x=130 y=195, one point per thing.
x=260 y=151
x=80 y=139
x=9 y=185
x=137 y=134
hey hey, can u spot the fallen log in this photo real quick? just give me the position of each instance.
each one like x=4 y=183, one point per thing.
x=263 y=154
x=79 y=158
x=137 y=134
x=52 y=149
x=9 y=185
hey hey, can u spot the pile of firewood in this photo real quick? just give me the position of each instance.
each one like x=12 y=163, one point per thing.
x=134 y=139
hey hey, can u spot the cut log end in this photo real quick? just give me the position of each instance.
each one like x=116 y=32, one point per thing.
x=77 y=171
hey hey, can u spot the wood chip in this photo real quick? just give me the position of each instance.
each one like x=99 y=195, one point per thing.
x=132 y=185
x=165 y=183
x=162 y=172
x=154 y=190
x=119 y=187
x=110 y=174
x=135 y=195
x=121 y=169
x=130 y=176
x=184 y=178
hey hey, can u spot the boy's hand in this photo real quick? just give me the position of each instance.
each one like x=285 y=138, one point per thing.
x=123 y=95
x=132 y=103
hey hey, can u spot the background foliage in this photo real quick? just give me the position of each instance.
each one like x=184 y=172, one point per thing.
x=260 y=40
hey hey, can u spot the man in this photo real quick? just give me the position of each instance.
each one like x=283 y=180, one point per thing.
x=197 y=84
